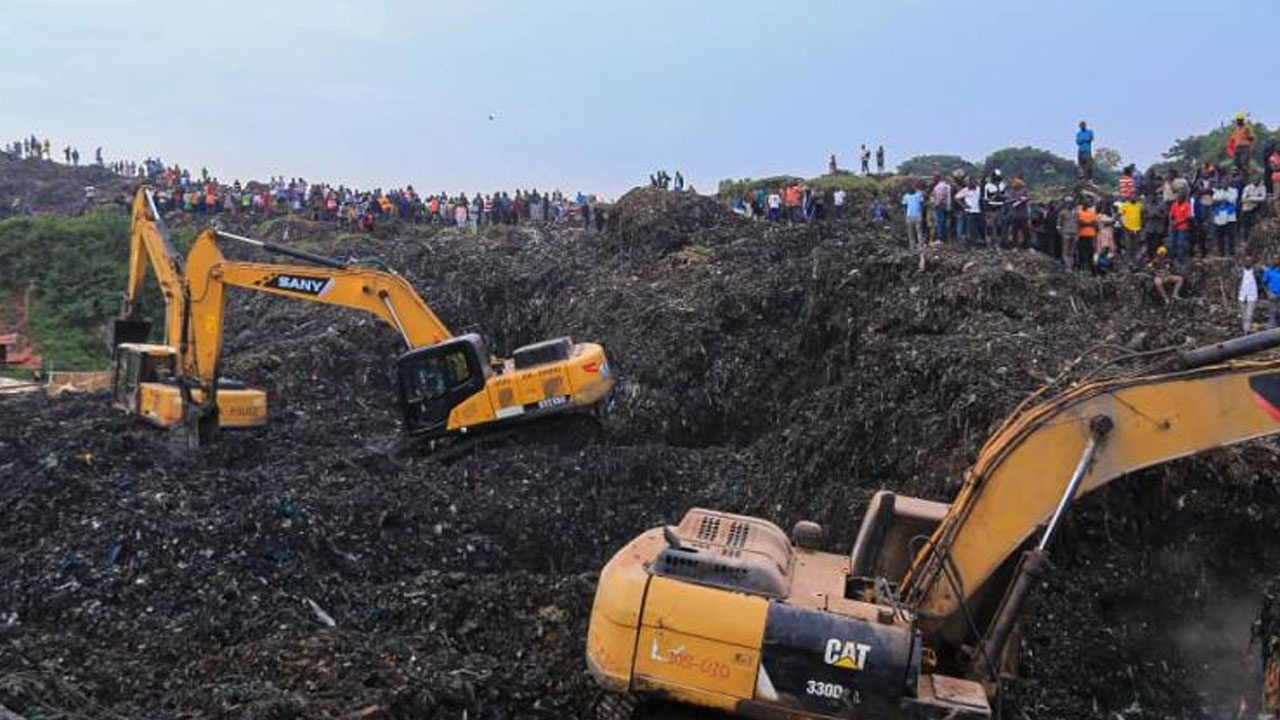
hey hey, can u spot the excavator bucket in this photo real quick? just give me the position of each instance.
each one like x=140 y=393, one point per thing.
x=130 y=331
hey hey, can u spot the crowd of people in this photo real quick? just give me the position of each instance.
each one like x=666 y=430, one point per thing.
x=1149 y=217
x=351 y=209
x=180 y=190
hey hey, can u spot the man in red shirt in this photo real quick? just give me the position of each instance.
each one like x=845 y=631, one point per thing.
x=1180 y=215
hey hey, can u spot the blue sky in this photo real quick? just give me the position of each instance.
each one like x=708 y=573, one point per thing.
x=593 y=95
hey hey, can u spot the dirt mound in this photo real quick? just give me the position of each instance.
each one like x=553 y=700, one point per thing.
x=44 y=186
x=300 y=571
x=657 y=221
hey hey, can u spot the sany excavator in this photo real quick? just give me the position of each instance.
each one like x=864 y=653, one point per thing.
x=726 y=611
x=161 y=383
x=447 y=384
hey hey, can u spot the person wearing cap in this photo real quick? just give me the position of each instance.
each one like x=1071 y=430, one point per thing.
x=1162 y=269
x=1240 y=144
x=1248 y=296
x=1084 y=150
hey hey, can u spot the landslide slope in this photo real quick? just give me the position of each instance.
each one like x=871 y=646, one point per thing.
x=299 y=571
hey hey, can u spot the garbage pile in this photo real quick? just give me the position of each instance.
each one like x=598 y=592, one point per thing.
x=316 y=568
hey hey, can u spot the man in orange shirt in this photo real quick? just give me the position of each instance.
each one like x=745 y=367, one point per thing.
x=1180 y=215
x=1240 y=144
x=1086 y=234
x=791 y=199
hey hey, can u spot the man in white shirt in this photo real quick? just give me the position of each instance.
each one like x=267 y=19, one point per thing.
x=993 y=196
x=837 y=200
x=1248 y=296
x=970 y=198
x=774 y=203
x=1253 y=198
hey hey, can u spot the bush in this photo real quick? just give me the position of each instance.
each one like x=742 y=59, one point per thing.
x=77 y=269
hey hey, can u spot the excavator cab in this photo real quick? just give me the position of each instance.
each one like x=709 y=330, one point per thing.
x=437 y=378
x=137 y=365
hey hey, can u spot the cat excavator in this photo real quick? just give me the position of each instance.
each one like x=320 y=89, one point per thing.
x=729 y=612
x=447 y=385
x=160 y=382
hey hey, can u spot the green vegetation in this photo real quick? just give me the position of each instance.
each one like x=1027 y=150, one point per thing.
x=927 y=165
x=76 y=268
x=852 y=183
x=1189 y=152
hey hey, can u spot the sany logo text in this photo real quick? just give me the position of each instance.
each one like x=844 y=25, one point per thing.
x=300 y=283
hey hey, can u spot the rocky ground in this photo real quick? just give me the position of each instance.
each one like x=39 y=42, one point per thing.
x=303 y=571
x=41 y=186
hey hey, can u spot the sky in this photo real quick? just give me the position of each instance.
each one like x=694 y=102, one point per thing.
x=593 y=95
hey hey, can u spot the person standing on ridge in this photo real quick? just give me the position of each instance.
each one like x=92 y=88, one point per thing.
x=940 y=201
x=866 y=160
x=913 y=201
x=880 y=159
x=832 y=169
x=1252 y=199
x=1084 y=150
x=1247 y=295
x=1240 y=144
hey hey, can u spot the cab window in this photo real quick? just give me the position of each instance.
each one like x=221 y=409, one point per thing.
x=430 y=377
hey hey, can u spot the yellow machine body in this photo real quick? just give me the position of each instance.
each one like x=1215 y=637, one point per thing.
x=145 y=385
x=733 y=616
x=726 y=611
x=447 y=384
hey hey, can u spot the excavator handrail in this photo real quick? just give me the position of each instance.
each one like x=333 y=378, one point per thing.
x=1158 y=417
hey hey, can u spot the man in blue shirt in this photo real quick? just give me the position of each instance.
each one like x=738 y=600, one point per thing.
x=1271 y=283
x=914 y=203
x=1084 y=150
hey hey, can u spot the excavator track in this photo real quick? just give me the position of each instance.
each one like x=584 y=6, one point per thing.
x=567 y=430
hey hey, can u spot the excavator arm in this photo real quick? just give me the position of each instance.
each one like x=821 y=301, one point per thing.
x=384 y=294
x=149 y=245
x=1023 y=479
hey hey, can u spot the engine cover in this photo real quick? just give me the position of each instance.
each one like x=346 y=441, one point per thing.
x=835 y=665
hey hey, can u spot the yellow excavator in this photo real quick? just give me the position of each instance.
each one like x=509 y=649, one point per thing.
x=729 y=612
x=160 y=382
x=447 y=384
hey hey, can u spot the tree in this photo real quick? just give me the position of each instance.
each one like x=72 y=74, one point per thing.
x=1107 y=159
x=1035 y=166
x=935 y=164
